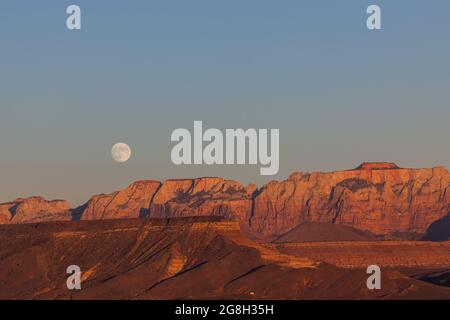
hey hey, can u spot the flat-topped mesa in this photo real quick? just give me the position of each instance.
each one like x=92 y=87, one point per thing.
x=377 y=166
x=380 y=200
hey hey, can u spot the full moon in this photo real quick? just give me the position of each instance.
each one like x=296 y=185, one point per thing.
x=121 y=152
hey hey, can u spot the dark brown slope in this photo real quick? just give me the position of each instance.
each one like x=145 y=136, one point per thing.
x=173 y=259
x=441 y=278
x=439 y=230
x=360 y=254
x=319 y=232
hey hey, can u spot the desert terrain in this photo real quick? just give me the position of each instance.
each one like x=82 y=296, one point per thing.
x=311 y=236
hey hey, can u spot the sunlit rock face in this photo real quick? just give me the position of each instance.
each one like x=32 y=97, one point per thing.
x=203 y=197
x=132 y=202
x=34 y=209
x=378 y=197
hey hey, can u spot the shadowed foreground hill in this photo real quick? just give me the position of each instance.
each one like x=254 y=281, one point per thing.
x=319 y=232
x=175 y=259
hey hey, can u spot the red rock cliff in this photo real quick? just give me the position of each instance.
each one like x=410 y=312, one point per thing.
x=34 y=209
x=132 y=202
x=378 y=197
x=203 y=197
x=174 y=198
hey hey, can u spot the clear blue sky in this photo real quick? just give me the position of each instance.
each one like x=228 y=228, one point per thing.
x=137 y=70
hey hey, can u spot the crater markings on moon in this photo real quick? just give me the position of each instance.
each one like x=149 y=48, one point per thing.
x=121 y=152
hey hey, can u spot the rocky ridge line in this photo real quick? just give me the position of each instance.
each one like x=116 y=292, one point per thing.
x=377 y=197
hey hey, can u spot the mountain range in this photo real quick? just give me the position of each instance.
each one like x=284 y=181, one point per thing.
x=380 y=198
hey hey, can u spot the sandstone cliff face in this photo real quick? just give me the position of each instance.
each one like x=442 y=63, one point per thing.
x=5 y=212
x=174 y=198
x=132 y=202
x=379 y=200
x=203 y=197
x=377 y=197
x=34 y=209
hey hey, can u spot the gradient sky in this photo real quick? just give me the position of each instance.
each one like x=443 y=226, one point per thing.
x=339 y=93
